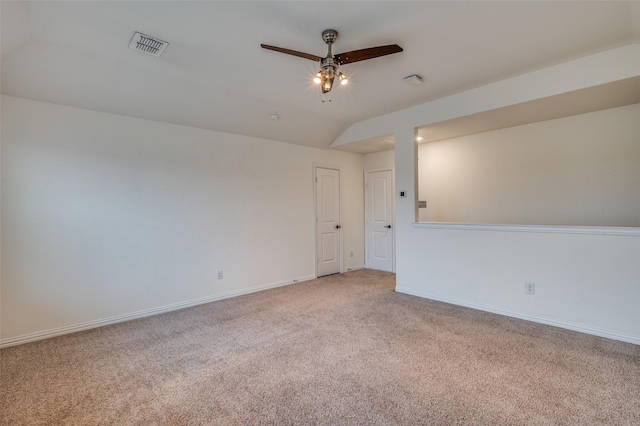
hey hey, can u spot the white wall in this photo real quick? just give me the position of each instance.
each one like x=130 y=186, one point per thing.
x=589 y=283
x=106 y=217
x=379 y=160
x=580 y=170
x=585 y=280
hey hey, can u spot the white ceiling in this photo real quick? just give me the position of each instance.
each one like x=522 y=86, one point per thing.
x=611 y=95
x=595 y=98
x=214 y=75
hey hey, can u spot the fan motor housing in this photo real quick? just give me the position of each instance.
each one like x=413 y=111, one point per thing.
x=329 y=36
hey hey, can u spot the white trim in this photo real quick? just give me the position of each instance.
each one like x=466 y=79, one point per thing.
x=41 y=335
x=393 y=214
x=356 y=267
x=582 y=328
x=587 y=230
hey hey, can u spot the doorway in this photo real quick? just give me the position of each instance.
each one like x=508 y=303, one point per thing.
x=328 y=228
x=379 y=220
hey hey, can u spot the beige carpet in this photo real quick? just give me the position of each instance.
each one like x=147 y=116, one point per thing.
x=344 y=349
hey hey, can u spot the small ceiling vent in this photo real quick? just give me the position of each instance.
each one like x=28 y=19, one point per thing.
x=413 y=80
x=149 y=45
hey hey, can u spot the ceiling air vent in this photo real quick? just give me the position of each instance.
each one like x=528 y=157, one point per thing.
x=149 y=45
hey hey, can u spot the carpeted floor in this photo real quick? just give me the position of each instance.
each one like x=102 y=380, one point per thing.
x=344 y=349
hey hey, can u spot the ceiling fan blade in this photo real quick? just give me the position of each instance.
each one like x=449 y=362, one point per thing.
x=369 y=53
x=292 y=52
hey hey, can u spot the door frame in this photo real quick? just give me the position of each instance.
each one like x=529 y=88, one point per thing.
x=314 y=180
x=366 y=213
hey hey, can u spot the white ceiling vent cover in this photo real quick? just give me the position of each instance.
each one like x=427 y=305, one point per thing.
x=149 y=45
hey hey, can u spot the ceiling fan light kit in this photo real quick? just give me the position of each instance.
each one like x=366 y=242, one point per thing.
x=329 y=65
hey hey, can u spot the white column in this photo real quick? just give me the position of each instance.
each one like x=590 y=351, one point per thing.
x=406 y=162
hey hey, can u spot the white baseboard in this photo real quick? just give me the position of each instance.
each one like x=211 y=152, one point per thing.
x=41 y=335
x=610 y=334
x=354 y=268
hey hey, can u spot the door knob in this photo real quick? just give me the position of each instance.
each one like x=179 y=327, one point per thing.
x=388 y=226
x=338 y=226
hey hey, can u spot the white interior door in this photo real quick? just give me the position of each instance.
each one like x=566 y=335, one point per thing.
x=328 y=229
x=379 y=212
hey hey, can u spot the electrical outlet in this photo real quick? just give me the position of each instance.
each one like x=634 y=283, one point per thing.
x=530 y=288
x=220 y=274
x=351 y=253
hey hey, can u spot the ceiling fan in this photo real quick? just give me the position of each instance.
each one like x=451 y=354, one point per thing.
x=329 y=65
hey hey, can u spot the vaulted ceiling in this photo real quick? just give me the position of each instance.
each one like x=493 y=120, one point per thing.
x=214 y=75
